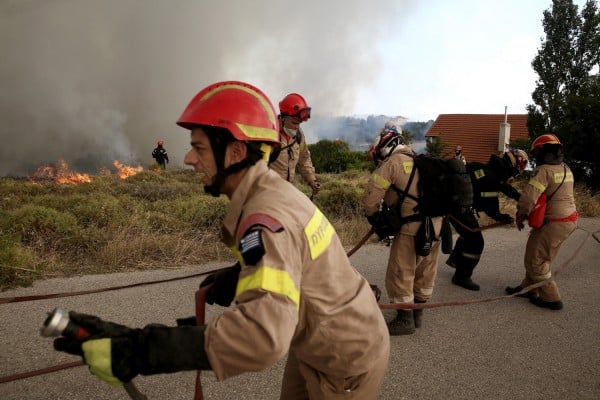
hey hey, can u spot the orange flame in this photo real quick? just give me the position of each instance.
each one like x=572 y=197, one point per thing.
x=62 y=173
x=124 y=171
x=59 y=174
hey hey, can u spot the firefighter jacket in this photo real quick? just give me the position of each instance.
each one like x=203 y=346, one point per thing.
x=296 y=292
x=489 y=180
x=160 y=154
x=294 y=153
x=394 y=171
x=548 y=179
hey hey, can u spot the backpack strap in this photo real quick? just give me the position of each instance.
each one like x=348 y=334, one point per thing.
x=402 y=194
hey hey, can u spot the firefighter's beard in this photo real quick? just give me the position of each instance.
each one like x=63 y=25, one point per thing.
x=214 y=188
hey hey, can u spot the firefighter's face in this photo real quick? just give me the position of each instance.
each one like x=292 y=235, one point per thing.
x=201 y=156
x=291 y=122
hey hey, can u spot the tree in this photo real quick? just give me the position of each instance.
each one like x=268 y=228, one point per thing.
x=330 y=156
x=567 y=92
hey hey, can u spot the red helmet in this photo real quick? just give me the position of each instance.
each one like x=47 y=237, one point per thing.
x=239 y=107
x=294 y=105
x=160 y=143
x=542 y=140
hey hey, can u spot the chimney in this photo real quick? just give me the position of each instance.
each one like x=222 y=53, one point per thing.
x=504 y=135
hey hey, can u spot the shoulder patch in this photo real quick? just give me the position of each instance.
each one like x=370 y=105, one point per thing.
x=260 y=219
x=251 y=247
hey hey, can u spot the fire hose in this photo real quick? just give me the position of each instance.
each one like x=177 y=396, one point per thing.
x=201 y=294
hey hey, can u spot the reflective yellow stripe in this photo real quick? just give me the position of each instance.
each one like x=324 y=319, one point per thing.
x=479 y=173
x=537 y=184
x=558 y=177
x=425 y=291
x=381 y=181
x=262 y=99
x=258 y=132
x=490 y=194
x=238 y=255
x=318 y=233
x=97 y=354
x=408 y=166
x=541 y=277
x=272 y=280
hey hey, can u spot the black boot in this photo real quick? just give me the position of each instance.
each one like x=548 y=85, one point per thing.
x=552 y=305
x=466 y=283
x=403 y=324
x=418 y=314
x=516 y=289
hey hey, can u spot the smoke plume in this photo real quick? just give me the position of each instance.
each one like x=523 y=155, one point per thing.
x=93 y=81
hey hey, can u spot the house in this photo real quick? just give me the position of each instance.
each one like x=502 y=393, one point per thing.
x=479 y=135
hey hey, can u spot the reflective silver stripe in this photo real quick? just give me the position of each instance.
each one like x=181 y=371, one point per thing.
x=403 y=299
x=490 y=194
x=471 y=256
x=541 y=277
x=425 y=291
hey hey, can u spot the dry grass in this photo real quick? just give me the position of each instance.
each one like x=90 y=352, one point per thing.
x=156 y=219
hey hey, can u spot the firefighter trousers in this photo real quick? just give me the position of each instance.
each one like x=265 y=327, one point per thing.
x=302 y=382
x=409 y=275
x=469 y=245
x=541 y=249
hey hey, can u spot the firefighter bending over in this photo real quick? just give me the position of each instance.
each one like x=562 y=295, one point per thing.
x=295 y=290
x=293 y=151
x=554 y=179
x=411 y=269
x=160 y=155
x=488 y=180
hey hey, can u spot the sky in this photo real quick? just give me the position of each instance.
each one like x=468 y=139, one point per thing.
x=92 y=81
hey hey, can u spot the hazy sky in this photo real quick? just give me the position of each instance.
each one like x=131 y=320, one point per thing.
x=92 y=81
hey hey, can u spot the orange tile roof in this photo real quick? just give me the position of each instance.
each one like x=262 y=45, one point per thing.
x=477 y=134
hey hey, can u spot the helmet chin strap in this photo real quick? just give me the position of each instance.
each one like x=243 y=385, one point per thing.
x=214 y=189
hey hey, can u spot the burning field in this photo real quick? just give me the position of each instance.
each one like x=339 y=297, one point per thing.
x=62 y=174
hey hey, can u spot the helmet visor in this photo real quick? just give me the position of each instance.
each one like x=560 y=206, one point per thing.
x=302 y=115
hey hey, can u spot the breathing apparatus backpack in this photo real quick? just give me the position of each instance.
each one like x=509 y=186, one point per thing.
x=444 y=188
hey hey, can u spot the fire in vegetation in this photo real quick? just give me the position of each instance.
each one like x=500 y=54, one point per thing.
x=62 y=174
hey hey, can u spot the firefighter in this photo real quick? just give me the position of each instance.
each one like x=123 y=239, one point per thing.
x=293 y=151
x=160 y=155
x=555 y=179
x=488 y=180
x=295 y=290
x=458 y=154
x=410 y=276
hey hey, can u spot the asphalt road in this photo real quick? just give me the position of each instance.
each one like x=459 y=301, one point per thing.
x=504 y=349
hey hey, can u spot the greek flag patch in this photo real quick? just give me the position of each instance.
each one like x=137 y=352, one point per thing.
x=251 y=247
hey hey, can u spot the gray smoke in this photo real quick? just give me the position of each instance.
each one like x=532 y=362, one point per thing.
x=93 y=81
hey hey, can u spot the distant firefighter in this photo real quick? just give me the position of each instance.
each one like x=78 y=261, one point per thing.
x=160 y=154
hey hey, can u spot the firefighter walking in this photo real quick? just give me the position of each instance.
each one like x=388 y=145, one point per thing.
x=554 y=179
x=293 y=151
x=295 y=290
x=410 y=276
x=488 y=181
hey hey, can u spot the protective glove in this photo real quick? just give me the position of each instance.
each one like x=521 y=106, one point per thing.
x=316 y=186
x=381 y=225
x=519 y=218
x=116 y=353
x=504 y=218
x=224 y=282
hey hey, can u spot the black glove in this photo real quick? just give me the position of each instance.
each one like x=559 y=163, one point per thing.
x=152 y=350
x=224 y=282
x=383 y=228
x=504 y=218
